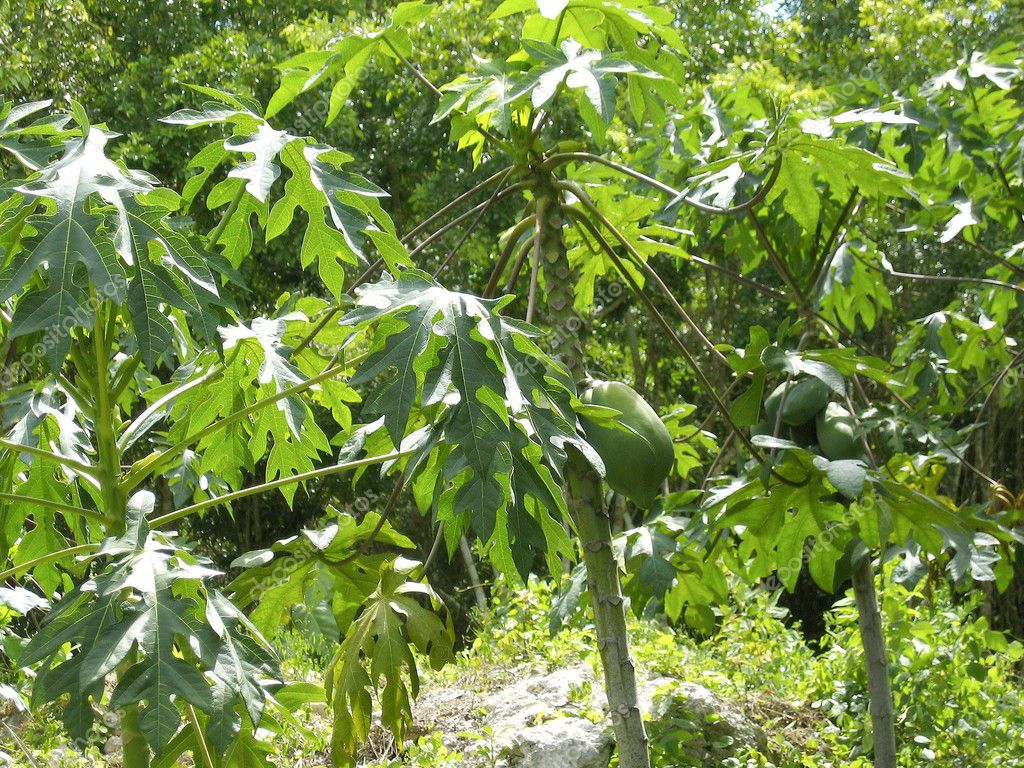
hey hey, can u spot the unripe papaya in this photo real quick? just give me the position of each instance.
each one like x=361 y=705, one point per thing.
x=804 y=400
x=638 y=458
x=837 y=433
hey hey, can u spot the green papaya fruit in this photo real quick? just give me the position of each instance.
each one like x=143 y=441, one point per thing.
x=837 y=433
x=637 y=458
x=805 y=400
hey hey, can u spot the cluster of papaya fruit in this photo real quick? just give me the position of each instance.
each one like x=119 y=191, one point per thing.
x=801 y=410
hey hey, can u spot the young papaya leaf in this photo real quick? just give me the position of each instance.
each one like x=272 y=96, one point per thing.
x=346 y=59
x=397 y=617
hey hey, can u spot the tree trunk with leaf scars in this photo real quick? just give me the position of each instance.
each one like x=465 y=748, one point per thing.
x=585 y=496
x=876 y=662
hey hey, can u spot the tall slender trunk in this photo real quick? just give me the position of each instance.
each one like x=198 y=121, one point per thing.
x=876 y=660
x=586 y=499
x=134 y=749
x=474 y=576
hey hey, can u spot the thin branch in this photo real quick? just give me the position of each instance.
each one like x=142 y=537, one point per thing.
x=435 y=547
x=760 y=287
x=170 y=517
x=384 y=515
x=517 y=266
x=469 y=230
x=780 y=266
x=943 y=278
x=825 y=256
x=78 y=466
x=21 y=744
x=992 y=255
x=762 y=192
x=412 y=68
x=477 y=189
x=68 y=509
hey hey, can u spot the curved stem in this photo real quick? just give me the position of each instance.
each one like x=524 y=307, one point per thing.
x=517 y=265
x=77 y=466
x=67 y=509
x=506 y=254
x=171 y=517
x=50 y=557
x=762 y=192
x=137 y=427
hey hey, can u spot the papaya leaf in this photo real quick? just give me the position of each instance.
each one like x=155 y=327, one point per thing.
x=504 y=412
x=394 y=619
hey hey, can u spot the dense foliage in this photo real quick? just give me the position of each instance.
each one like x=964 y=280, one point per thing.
x=338 y=302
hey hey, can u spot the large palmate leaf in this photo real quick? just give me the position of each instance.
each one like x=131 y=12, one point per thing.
x=346 y=59
x=96 y=234
x=316 y=184
x=502 y=411
x=394 y=619
x=278 y=579
x=152 y=613
x=257 y=367
x=589 y=71
x=255 y=153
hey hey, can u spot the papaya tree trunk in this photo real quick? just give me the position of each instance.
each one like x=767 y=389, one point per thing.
x=585 y=496
x=135 y=751
x=876 y=660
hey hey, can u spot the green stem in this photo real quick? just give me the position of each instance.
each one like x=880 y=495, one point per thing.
x=136 y=428
x=170 y=517
x=108 y=454
x=135 y=751
x=223 y=223
x=204 y=748
x=67 y=509
x=78 y=466
x=50 y=557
